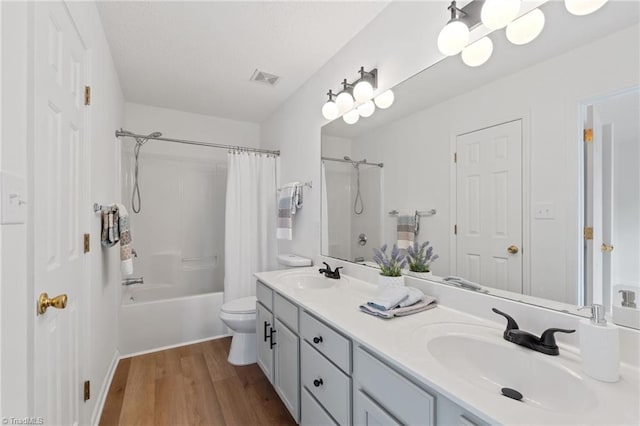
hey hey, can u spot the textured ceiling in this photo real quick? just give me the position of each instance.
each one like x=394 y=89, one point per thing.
x=199 y=56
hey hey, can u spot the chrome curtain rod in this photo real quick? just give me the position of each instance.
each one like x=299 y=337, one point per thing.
x=122 y=132
x=342 y=160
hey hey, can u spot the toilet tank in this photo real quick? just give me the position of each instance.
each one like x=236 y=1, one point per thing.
x=293 y=261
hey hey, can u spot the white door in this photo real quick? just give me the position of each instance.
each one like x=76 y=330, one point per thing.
x=489 y=206
x=58 y=180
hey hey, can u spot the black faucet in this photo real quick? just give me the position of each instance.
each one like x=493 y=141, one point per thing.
x=545 y=344
x=329 y=273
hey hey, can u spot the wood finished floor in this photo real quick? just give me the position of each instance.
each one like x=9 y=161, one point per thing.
x=191 y=385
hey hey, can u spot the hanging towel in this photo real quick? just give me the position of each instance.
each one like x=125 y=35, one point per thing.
x=425 y=303
x=289 y=202
x=110 y=227
x=126 y=251
x=406 y=231
x=395 y=297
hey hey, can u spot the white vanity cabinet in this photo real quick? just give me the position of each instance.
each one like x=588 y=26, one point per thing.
x=279 y=345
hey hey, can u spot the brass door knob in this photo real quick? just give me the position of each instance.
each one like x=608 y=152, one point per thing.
x=58 y=302
x=606 y=248
x=512 y=249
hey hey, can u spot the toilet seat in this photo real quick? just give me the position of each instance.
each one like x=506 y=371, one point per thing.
x=244 y=305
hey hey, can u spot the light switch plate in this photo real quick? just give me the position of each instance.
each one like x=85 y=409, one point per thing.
x=13 y=199
x=544 y=211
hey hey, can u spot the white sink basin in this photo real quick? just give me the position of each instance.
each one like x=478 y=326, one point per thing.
x=479 y=355
x=308 y=281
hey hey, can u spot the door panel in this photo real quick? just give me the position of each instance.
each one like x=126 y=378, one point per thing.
x=58 y=176
x=489 y=206
x=287 y=377
x=264 y=322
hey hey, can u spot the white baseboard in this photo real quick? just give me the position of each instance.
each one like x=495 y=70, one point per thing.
x=162 y=348
x=104 y=390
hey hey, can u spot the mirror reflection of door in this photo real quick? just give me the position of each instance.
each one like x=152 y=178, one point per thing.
x=612 y=197
x=489 y=206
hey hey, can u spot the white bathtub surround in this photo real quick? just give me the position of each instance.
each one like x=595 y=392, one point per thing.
x=250 y=220
x=428 y=349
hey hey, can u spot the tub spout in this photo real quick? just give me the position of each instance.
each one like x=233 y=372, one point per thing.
x=131 y=281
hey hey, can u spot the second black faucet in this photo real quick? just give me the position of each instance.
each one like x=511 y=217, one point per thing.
x=329 y=273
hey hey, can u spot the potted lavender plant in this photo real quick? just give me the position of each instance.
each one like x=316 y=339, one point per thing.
x=420 y=258
x=390 y=266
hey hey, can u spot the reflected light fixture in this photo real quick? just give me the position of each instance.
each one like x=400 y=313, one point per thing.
x=385 y=99
x=351 y=117
x=583 y=7
x=367 y=109
x=497 y=14
x=455 y=35
x=330 y=110
x=345 y=100
x=477 y=53
x=526 y=28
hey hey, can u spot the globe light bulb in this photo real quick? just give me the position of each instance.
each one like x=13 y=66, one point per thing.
x=385 y=99
x=330 y=110
x=453 y=38
x=526 y=28
x=344 y=101
x=351 y=117
x=478 y=52
x=363 y=91
x=367 y=109
x=497 y=14
x=583 y=7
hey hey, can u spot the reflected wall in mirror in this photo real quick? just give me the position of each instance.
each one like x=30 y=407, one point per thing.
x=498 y=153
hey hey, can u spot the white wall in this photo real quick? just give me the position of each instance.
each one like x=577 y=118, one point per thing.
x=420 y=164
x=17 y=277
x=179 y=232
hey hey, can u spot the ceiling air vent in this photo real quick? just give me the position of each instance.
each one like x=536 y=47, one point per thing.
x=265 y=77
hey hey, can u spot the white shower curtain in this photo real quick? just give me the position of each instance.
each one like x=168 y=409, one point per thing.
x=250 y=221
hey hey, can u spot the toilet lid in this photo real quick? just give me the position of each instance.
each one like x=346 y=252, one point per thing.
x=245 y=305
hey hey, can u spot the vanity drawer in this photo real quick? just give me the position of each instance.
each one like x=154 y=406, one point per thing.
x=395 y=393
x=286 y=311
x=264 y=295
x=330 y=386
x=333 y=345
x=312 y=413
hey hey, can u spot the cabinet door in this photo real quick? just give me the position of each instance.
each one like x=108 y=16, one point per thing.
x=287 y=373
x=368 y=413
x=264 y=325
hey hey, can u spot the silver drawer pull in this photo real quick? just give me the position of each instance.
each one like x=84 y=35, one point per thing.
x=317 y=340
x=318 y=382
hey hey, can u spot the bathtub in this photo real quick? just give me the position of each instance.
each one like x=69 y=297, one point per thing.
x=156 y=316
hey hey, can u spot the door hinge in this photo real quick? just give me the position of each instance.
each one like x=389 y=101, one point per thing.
x=87 y=243
x=87 y=95
x=455 y=157
x=87 y=390
x=587 y=135
x=588 y=233
x=455 y=229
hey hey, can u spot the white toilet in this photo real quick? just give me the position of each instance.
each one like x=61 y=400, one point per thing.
x=240 y=316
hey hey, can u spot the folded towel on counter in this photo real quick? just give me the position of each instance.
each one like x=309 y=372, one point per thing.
x=110 y=227
x=395 y=297
x=126 y=251
x=289 y=201
x=406 y=229
x=425 y=303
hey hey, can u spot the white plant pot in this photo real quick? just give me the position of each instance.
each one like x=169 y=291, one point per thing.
x=385 y=281
x=422 y=275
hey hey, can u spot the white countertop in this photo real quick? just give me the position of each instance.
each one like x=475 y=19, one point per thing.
x=393 y=340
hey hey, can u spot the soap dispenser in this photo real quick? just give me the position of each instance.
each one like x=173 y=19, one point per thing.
x=599 y=346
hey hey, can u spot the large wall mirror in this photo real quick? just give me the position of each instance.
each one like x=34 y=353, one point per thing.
x=489 y=165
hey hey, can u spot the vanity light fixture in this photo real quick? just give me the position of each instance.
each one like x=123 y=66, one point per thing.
x=526 y=28
x=366 y=109
x=363 y=89
x=385 y=99
x=455 y=35
x=351 y=117
x=477 y=53
x=583 y=7
x=497 y=14
x=330 y=110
